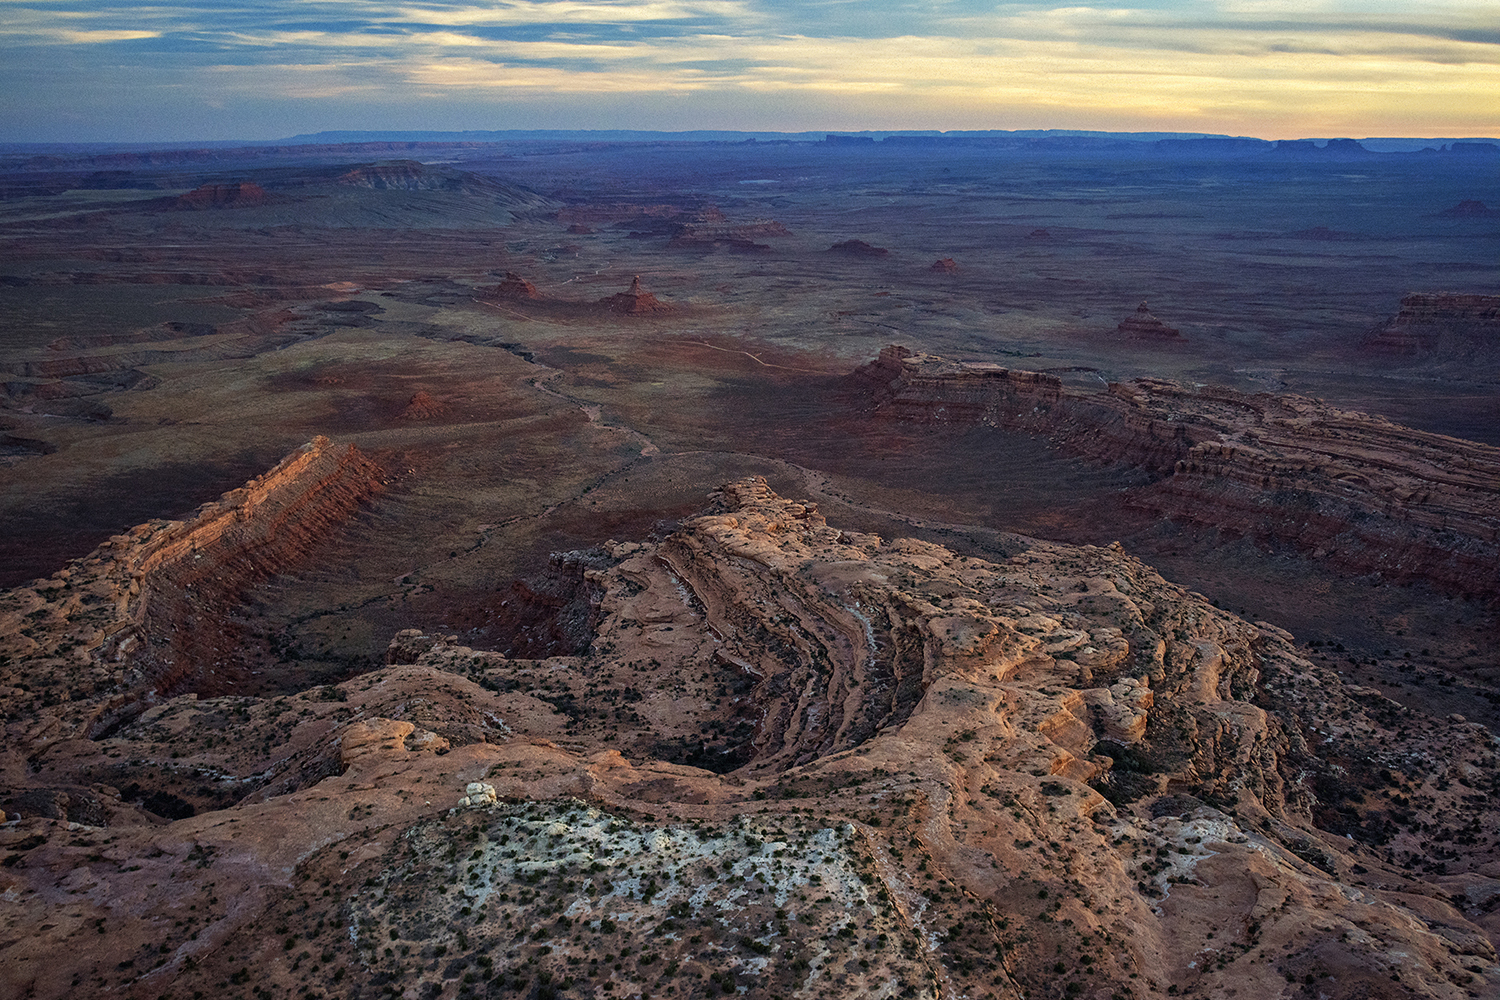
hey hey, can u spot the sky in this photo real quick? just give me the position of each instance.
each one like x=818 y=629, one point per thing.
x=173 y=70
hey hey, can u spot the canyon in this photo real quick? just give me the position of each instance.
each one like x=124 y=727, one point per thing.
x=531 y=569
x=927 y=774
x=1371 y=495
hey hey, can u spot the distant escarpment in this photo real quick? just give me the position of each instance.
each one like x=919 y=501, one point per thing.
x=1470 y=209
x=242 y=195
x=145 y=614
x=1440 y=323
x=1368 y=494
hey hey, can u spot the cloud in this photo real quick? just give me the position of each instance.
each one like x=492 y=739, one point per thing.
x=1250 y=66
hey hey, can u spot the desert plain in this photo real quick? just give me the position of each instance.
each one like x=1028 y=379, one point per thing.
x=1032 y=568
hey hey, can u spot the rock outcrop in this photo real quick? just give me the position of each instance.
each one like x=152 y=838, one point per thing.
x=1141 y=325
x=406 y=175
x=513 y=288
x=858 y=248
x=928 y=769
x=636 y=301
x=146 y=614
x=245 y=194
x=1368 y=494
x=1440 y=323
x=946 y=264
x=422 y=406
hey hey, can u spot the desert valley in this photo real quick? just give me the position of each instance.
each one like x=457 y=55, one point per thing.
x=892 y=567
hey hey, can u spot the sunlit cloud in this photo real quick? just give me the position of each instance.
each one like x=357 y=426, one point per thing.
x=1241 y=66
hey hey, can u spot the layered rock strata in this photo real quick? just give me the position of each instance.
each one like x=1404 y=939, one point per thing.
x=1055 y=775
x=1441 y=323
x=1369 y=494
x=1142 y=325
x=145 y=614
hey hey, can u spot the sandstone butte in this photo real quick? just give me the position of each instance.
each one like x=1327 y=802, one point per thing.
x=1367 y=494
x=909 y=773
x=1142 y=325
x=636 y=301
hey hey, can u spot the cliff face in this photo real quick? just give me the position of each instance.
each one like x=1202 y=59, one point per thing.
x=1440 y=323
x=794 y=758
x=1371 y=495
x=145 y=615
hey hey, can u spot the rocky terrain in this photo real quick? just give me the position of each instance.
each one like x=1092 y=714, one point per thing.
x=516 y=681
x=1358 y=490
x=1453 y=325
x=1142 y=325
x=793 y=760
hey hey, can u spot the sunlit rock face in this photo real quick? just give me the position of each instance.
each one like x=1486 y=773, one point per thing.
x=793 y=760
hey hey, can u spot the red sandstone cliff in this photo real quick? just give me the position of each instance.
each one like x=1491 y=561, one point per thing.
x=1371 y=495
x=145 y=613
x=1440 y=322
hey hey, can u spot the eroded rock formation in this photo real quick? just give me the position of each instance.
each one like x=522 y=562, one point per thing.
x=636 y=301
x=1371 y=495
x=146 y=614
x=858 y=248
x=1440 y=323
x=513 y=288
x=1141 y=325
x=936 y=775
x=242 y=195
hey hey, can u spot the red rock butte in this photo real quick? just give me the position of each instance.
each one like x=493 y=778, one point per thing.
x=423 y=407
x=512 y=288
x=1143 y=326
x=242 y=195
x=636 y=301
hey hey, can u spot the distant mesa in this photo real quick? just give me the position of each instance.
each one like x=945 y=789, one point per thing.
x=1039 y=234
x=412 y=175
x=246 y=194
x=580 y=229
x=718 y=235
x=1144 y=326
x=1323 y=234
x=399 y=175
x=1441 y=323
x=947 y=264
x=629 y=215
x=1469 y=210
x=423 y=407
x=1332 y=149
x=636 y=302
x=513 y=288
x=858 y=248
